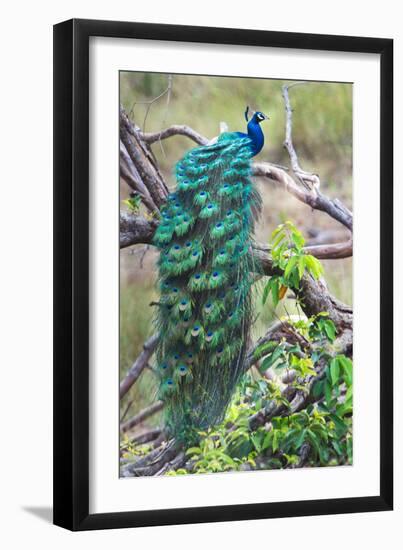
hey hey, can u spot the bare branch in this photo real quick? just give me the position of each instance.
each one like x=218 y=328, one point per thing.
x=143 y=159
x=146 y=436
x=315 y=200
x=303 y=176
x=175 y=130
x=332 y=251
x=335 y=251
x=138 y=365
x=142 y=415
x=153 y=462
x=129 y=173
x=135 y=229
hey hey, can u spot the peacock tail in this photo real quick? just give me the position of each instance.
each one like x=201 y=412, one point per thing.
x=205 y=277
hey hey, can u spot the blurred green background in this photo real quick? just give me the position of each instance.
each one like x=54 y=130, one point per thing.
x=322 y=135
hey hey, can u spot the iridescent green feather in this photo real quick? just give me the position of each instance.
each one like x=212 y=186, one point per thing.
x=205 y=268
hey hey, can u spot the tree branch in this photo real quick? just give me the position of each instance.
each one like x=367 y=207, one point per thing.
x=135 y=229
x=175 y=130
x=143 y=159
x=312 y=179
x=142 y=415
x=138 y=365
x=314 y=199
x=129 y=173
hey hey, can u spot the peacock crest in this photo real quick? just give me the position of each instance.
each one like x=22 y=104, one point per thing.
x=205 y=277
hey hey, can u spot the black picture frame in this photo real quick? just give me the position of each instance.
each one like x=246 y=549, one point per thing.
x=71 y=274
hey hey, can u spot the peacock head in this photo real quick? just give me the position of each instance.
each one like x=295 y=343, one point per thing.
x=257 y=117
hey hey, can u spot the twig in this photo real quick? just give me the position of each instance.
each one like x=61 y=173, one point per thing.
x=130 y=174
x=175 y=130
x=304 y=177
x=138 y=365
x=146 y=436
x=315 y=200
x=129 y=404
x=150 y=102
x=142 y=415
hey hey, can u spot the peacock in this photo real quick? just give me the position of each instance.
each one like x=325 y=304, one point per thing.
x=205 y=271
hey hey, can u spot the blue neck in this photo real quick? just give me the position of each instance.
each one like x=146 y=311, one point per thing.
x=256 y=135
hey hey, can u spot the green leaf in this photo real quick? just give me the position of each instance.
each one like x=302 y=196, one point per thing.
x=337 y=447
x=329 y=327
x=298 y=239
x=317 y=389
x=328 y=393
x=314 y=266
x=313 y=438
x=275 y=441
x=272 y=358
x=194 y=451
x=257 y=442
x=334 y=370
x=266 y=292
x=347 y=367
x=267 y=441
x=275 y=291
x=291 y=264
x=301 y=266
x=265 y=348
x=300 y=439
x=341 y=426
x=350 y=449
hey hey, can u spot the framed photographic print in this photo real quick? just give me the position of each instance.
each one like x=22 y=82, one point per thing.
x=223 y=339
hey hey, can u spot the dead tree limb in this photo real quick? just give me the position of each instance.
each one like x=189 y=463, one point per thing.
x=143 y=160
x=146 y=436
x=138 y=365
x=135 y=229
x=175 y=130
x=305 y=177
x=142 y=415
